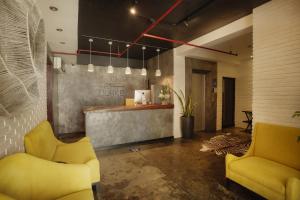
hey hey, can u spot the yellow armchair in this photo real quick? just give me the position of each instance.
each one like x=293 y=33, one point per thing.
x=271 y=167
x=42 y=143
x=25 y=177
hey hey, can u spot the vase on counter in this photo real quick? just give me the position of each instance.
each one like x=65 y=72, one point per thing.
x=164 y=95
x=164 y=102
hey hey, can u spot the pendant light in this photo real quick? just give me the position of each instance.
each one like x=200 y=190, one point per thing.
x=90 y=66
x=110 y=68
x=158 y=72
x=144 y=70
x=127 y=69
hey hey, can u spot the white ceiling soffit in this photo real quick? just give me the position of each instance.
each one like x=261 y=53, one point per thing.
x=221 y=38
x=240 y=44
x=66 y=18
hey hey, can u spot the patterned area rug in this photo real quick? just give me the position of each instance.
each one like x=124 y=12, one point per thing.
x=236 y=144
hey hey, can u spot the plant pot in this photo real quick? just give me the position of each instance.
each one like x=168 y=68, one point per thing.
x=187 y=127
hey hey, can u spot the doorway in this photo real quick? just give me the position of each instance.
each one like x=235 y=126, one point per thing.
x=228 y=103
x=198 y=96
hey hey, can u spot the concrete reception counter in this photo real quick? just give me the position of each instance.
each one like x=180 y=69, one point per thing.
x=114 y=125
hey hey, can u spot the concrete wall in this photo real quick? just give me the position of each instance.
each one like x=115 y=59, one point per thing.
x=276 y=71
x=78 y=88
x=166 y=63
x=107 y=128
x=84 y=59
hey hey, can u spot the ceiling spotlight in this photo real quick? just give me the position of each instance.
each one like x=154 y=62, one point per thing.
x=186 y=23
x=59 y=29
x=53 y=8
x=132 y=10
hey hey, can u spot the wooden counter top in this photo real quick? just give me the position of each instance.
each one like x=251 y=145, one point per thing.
x=126 y=108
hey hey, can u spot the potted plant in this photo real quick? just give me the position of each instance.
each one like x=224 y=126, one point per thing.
x=297 y=114
x=164 y=95
x=187 y=118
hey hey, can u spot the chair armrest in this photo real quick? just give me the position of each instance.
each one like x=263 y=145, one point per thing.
x=230 y=158
x=293 y=189
x=41 y=179
x=84 y=139
x=4 y=197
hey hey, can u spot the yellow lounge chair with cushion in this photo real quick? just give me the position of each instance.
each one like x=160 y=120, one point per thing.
x=42 y=143
x=271 y=167
x=26 y=177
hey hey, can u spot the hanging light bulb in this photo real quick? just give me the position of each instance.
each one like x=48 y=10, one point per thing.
x=110 y=68
x=144 y=70
x=91 y=66
x=157 y=71
x=127 y=69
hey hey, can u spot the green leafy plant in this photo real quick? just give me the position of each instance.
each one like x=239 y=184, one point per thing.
x=165 y=93
x=297 y=114
x=187 y=105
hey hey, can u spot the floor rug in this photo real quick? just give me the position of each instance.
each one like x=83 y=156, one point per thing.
x=236 y=144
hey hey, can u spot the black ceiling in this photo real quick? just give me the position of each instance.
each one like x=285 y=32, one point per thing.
x=191 y=19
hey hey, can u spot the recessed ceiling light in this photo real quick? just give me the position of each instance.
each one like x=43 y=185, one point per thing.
x=62 y=43
x=59 y=29
x=132 y=10
x=53 y=8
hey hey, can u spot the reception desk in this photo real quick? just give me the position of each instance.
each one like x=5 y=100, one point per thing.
x=113 y=125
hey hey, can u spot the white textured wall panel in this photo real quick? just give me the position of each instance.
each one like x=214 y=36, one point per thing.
x=276 y=64
x=243 y=92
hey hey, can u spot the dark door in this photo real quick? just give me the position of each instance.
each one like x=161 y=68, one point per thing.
x=228 y=102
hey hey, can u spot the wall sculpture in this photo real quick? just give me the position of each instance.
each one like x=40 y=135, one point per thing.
x=22 y=55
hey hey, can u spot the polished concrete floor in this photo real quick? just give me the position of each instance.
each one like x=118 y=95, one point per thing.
x=166 y=170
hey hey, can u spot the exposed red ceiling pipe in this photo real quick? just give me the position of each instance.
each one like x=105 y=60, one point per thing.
x=177 y=2
x=187 y=43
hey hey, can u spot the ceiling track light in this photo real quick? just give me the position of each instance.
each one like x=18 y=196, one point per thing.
x=110 y=68
x=144 y=70
x=157 y=71
x=127 y=69
x=91 y=66
x=132 y=9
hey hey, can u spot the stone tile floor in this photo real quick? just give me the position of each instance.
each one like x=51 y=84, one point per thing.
x=165 y=171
